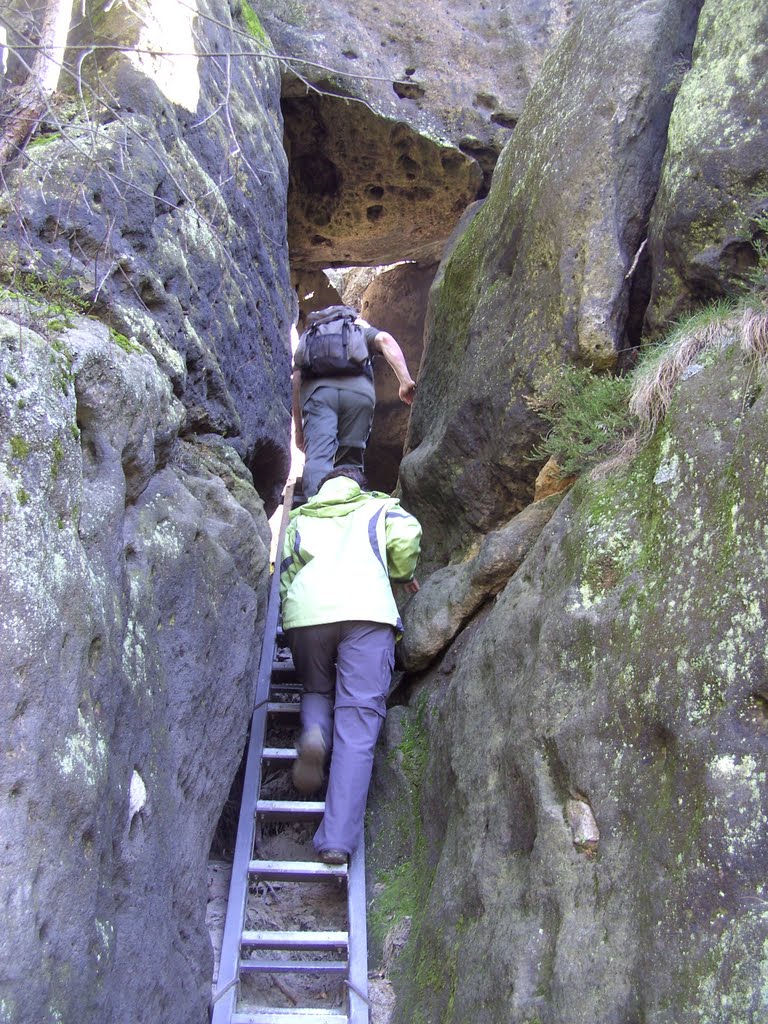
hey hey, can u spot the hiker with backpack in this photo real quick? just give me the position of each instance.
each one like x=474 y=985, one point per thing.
x=333 y=394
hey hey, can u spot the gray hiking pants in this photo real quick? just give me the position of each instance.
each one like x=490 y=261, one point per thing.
x=346 y=671
x=337 y=424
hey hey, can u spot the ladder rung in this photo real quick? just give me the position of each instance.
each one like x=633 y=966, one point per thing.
x=295 y=870
x=297 y=1015
x=314 y=941
x=295 y=966
x=284 y=707
x=278 y=754
x=285 y=810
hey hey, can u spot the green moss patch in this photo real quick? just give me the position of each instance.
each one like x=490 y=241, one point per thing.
x=253 y=25
x=124 y=342
x=19 y=447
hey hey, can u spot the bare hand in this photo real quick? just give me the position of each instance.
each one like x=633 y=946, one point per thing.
x=408 y=392
x=412 y=586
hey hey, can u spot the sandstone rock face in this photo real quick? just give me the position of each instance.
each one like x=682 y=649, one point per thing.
x=716 y=166
x=450 y=596
x=151 y=212
x=436 y=90
x=621 y=669
x=366 y=190
x=133 y=571
x=458 y=71
x=539 y=275
x=134 y=548
x=395 y=301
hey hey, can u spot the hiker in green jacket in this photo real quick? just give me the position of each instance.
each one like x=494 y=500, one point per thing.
x=343 y=550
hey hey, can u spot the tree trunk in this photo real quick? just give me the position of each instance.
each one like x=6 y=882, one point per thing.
x=33 y=96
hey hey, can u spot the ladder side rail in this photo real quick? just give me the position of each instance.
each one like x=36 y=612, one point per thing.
x=357 y=989
x=229 y=961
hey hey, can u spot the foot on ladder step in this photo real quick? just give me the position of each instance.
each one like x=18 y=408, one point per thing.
x=333 y=856
x=309 y=766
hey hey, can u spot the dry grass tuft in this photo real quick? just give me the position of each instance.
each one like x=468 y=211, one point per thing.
x=654 y=384
x=753 y=329
x=714 y=329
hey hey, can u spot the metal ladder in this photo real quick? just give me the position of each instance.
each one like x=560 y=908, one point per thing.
x=275 y=679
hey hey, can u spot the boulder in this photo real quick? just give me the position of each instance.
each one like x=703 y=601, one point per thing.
x=539 y=275
x=450 y=596
x=715 y=169
x=456 y=71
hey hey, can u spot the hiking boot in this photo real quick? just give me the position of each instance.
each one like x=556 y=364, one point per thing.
x=309 y=766
x=333 y=856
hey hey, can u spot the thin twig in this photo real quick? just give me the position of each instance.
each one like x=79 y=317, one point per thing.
x=631 y=270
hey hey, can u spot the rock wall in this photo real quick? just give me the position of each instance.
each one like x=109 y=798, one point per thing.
x=395 y=301
x=570 y=797
x=540 y=274
x=576 y=796
x=714 y=178
x=458 y=71
x=139 y=446
x=157 y=196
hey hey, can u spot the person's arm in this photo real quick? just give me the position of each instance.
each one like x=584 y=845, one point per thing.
x=389 y=348
x=298 y=427
x=403 y=533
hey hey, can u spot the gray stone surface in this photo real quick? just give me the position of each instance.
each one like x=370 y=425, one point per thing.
x=715 y=174
x=133 y=568
x=395 y=301
x=460 y=71
x=621 y=669
x=452 y=594
x=134 y=547
x=167 y=211
x=539 y=276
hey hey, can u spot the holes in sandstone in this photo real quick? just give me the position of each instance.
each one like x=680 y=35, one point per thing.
x=758 y=705
x=87 y=839
x=408 y=90
x=375 y=191
x=656 y=742
x=503 y=119
x=752 y=395
x=317 y=175
x=374 y=213
x=349 y=54
x=94 y=651
x=486 y=100
x=409 y=166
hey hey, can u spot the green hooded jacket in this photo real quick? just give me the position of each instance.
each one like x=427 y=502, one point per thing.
x=342 y=550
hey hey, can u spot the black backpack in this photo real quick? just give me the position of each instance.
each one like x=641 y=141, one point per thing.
x=333 y=345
